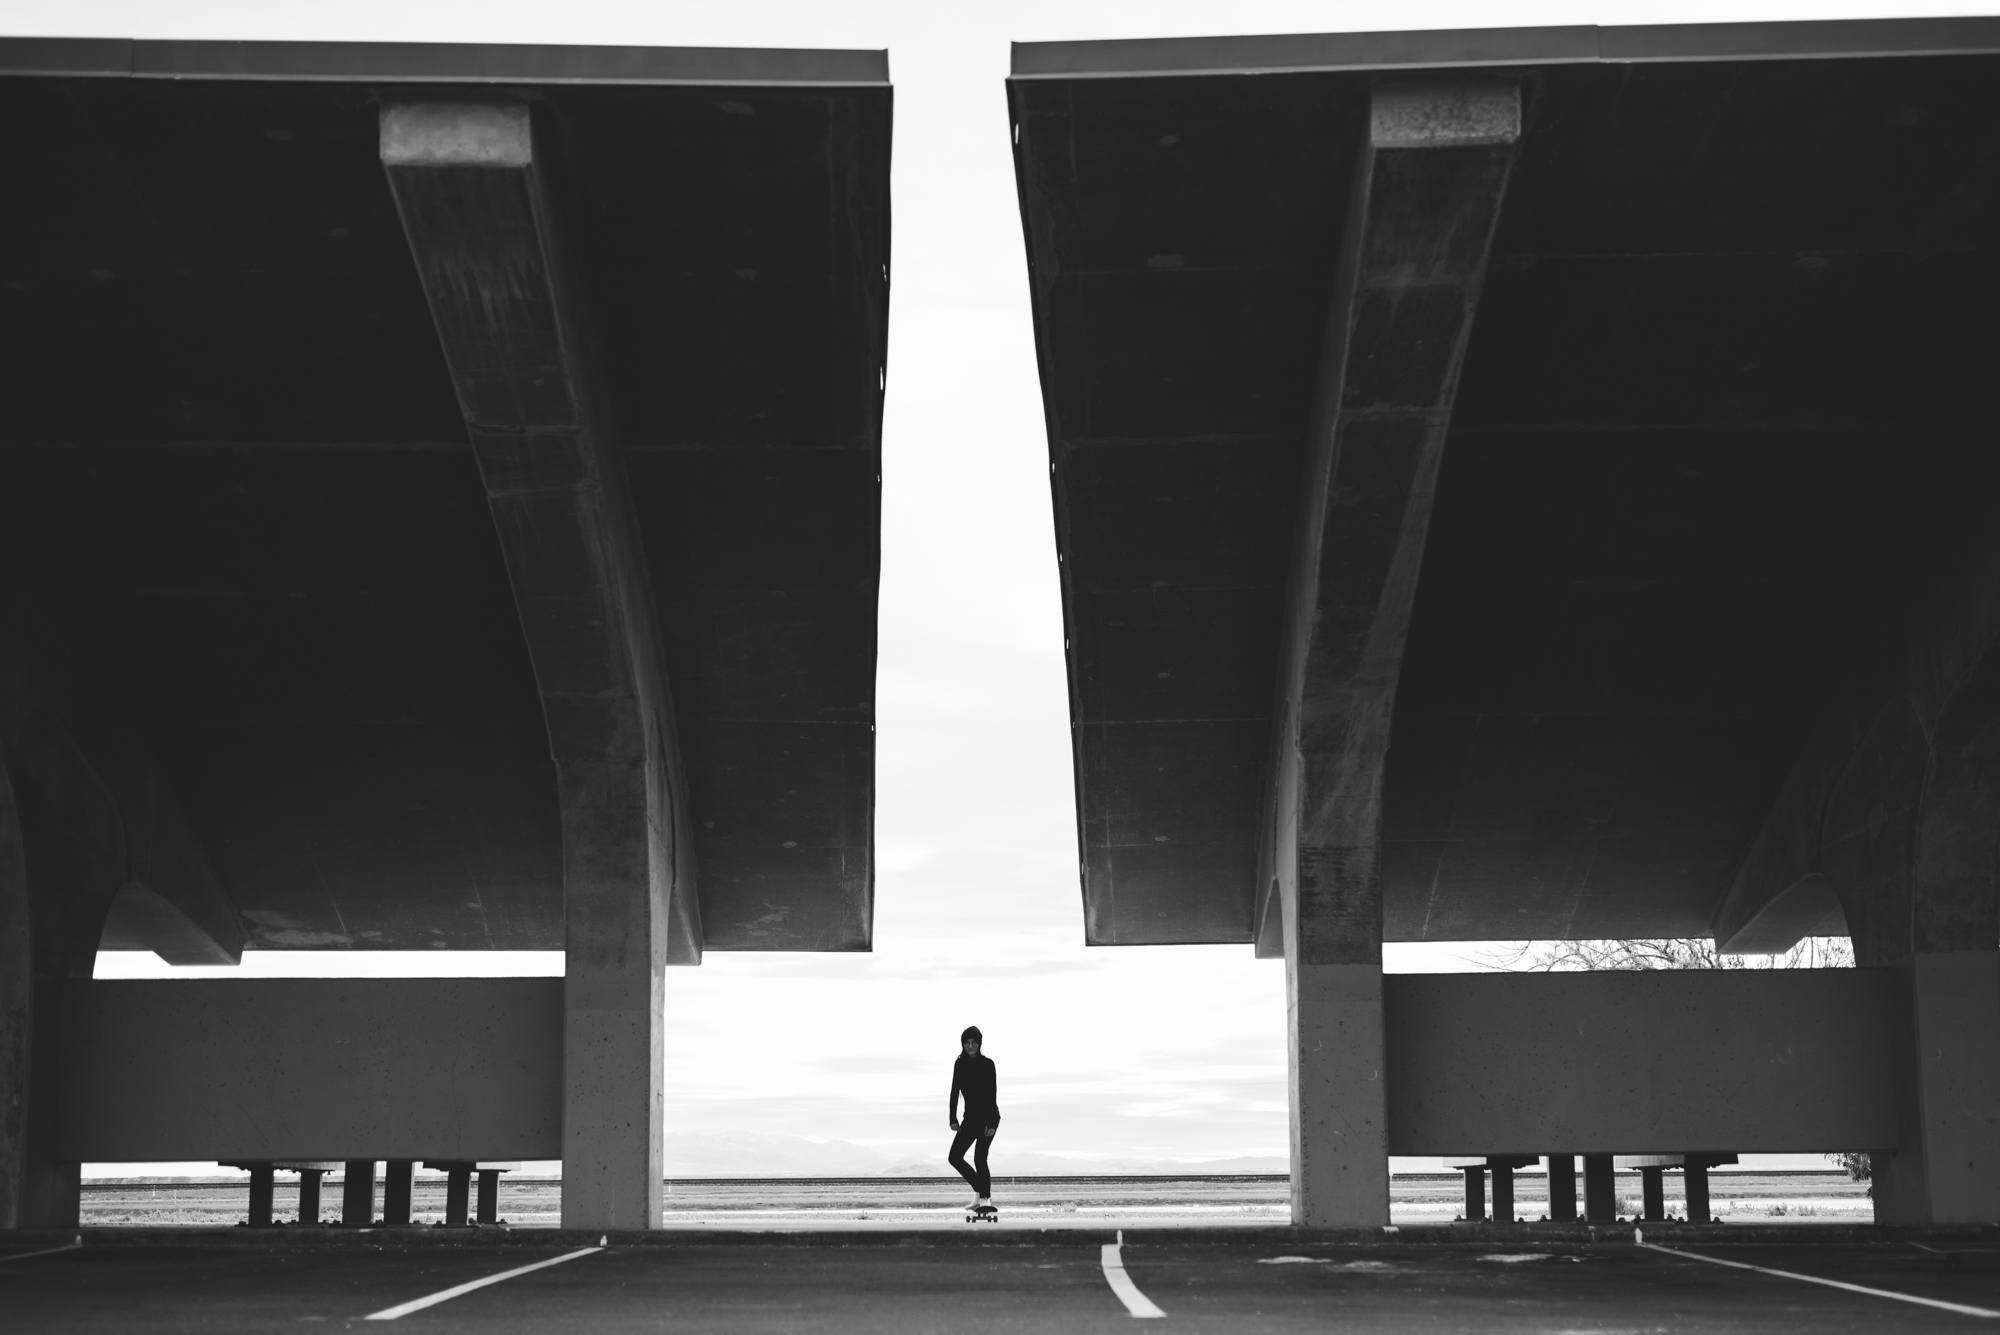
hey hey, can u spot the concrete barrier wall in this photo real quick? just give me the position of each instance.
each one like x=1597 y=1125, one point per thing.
x=427 y=1068
x=1792 y=1060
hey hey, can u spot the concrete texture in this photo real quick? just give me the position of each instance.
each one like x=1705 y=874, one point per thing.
x=350 y=719
x=1428 y=182
x=1025 y=1285
x=445 y=1068
x=461 y=546
x=1946 y=1165
x=1888 y=802
x=1701 y=352
x=1338 y=1094
x=1627 y=1063
x=475 y=202
x=35 y=1189
x=1427 y=50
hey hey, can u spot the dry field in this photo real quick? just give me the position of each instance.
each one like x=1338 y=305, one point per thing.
x=904 y=1202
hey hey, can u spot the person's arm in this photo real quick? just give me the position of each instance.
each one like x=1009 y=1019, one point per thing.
x=951 y=1102
x=994 y=1073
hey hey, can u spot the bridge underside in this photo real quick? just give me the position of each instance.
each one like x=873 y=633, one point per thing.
x=1539 y=483
x=1724 y=396
x=239 y=501
x=439 y=509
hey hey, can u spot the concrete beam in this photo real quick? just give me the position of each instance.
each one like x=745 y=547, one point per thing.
x=471 y=182
x=311 y=1069
x=1788 y=1061
x=1422 y=209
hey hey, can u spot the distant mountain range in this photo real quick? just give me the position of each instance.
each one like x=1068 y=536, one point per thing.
x=745 y=1154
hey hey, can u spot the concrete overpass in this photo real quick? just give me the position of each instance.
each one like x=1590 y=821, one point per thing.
x=439 y=508
x=1539 y=483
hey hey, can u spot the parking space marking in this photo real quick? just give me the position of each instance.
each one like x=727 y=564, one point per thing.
x=419 y=1304
x=1113 y=1261
x=46 y=1251
x=1962 y=1308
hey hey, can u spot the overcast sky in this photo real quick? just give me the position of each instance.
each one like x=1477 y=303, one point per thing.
x=1172 y=1052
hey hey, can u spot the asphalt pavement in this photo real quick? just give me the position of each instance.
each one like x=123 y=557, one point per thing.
x=1009 y=1284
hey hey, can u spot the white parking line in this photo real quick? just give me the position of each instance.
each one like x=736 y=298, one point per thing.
x=419 y=1304
x=1137 y=1303
x=1960 y=1308
x=47 y=1251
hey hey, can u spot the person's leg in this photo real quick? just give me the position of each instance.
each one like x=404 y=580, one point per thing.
x=984 y=1182
x=967 y=1134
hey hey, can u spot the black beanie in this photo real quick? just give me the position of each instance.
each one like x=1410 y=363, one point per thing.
x=972 y=1031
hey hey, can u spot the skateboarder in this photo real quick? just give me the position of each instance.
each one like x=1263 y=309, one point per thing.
x=973 y=1076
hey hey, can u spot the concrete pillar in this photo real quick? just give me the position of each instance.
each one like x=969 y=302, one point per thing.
x=1947 y=1169
x=1562 y=1186
x=84 y=815
x=613 y=991
x=1696 y=1174
x=1653 y=1190
x=62 y=860
x=489 y=1195
x=1894 y=799
x=398 y=1187
x=469 y=183
x=1503 y=1193
x=309 y=1194
x=1422 y=208
x=357 y=1193
x=1475 y=1194
x=263 y=1186
x=1600 y=1189
x=457 y=1190
x=1340 y=1153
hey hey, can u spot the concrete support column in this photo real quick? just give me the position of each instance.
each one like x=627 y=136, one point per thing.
x=309 y=1194
x=469 y=179
x=1503 y=1193
x=357 y=1193
x=62 y=859
x=1422 y=208
x=489 y=1195
x=1696 y=1174
x=1475 y=1195
x=1653 y=1188
x=1948 y=1167
x=398 y=1189
x=613 y=1052
x=1340 y=1152
x=1600 y=1189
x=1562 y=1186
x=457 y=1193
x=1894 y=801
x=34 y=1191
x=86 y=821
x=263 y=1184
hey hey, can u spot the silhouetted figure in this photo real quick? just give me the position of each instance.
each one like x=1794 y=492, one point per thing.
x=973 y=1077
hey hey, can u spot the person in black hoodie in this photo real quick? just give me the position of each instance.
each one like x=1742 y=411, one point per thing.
x=973 y=1076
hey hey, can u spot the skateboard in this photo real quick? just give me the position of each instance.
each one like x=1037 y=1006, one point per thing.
x=982 y=1214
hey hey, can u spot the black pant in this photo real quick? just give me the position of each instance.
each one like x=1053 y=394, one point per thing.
x=969 y=1131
